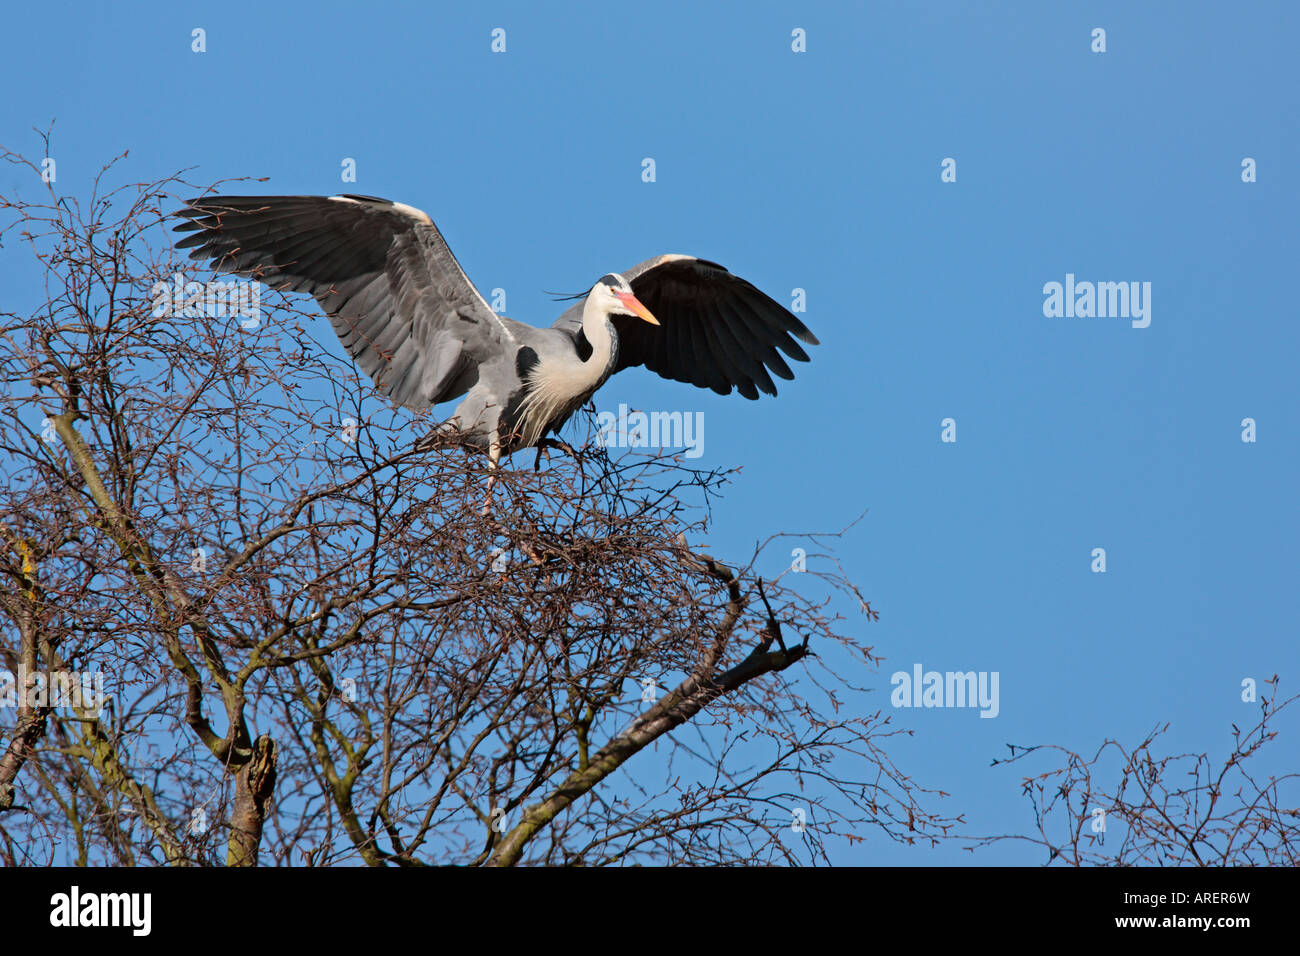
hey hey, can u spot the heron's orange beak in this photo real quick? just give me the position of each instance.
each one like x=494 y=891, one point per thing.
x=634 y=305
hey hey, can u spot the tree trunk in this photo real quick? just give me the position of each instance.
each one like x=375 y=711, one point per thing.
x=253 y=787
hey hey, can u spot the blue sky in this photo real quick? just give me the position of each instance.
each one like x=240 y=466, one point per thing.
x=821 y=170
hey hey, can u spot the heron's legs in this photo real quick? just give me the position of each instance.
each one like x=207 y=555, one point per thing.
x=494 y=466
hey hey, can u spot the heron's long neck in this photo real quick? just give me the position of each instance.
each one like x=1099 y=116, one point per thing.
x=603 y=340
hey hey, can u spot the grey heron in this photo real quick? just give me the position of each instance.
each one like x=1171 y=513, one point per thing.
x=413 y=321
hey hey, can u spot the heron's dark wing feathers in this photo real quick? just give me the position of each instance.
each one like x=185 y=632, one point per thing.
x=715 y=330
x=396 y=296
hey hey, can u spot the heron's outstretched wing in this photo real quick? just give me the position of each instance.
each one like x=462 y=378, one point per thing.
x=396 y=296
x=715 y=329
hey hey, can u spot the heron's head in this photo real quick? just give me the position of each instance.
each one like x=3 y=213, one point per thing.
x=612 y=295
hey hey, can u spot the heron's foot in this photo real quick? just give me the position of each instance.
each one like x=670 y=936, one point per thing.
x=546 y=444
x=444 y=433
x=432 y=440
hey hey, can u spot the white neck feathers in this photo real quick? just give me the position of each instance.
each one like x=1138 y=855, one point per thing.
x=555 y=388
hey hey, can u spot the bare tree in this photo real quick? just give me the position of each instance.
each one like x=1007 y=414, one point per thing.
x=1166 y=810
x=316 y=650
